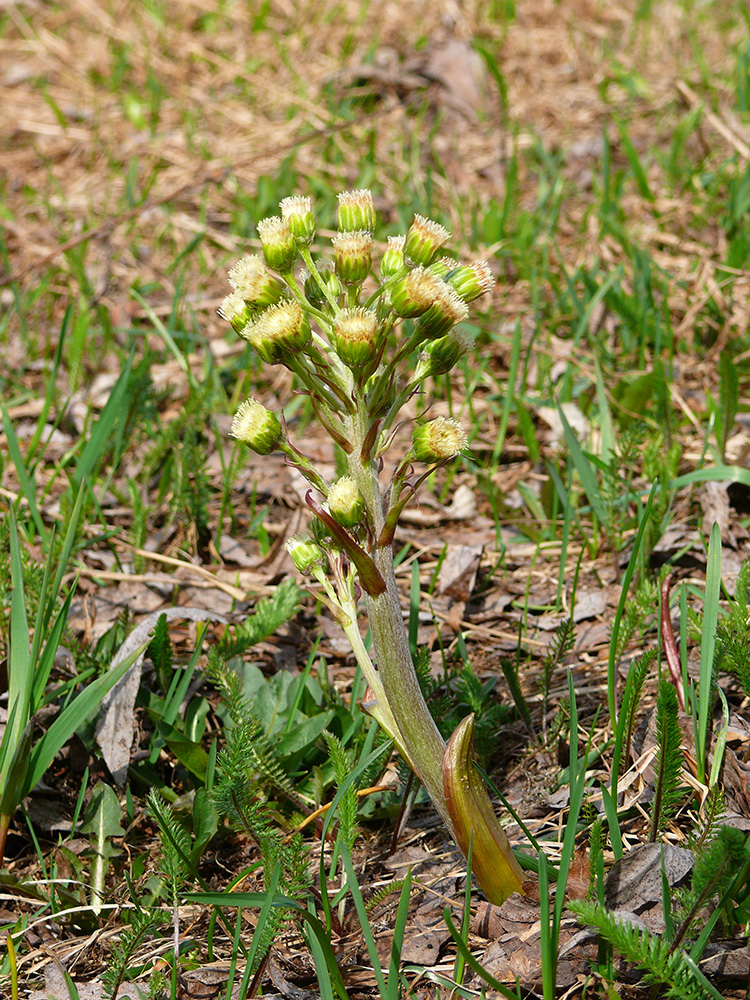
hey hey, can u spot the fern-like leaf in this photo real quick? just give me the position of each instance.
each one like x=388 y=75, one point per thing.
x=668 y=762
x=714 y=869
x=648 y=952
x=561 y=645
x=160 y=653
x=341 y=762
x=143 y=924
x=175 y=844
x=268 y=616
x=631 y=698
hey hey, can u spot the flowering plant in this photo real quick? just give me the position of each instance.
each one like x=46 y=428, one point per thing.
x=338 y=328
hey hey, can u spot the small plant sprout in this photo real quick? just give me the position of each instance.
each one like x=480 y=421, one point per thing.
x=360 y=349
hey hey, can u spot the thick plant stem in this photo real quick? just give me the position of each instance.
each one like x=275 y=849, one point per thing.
x=446 y=771
x=421 y=738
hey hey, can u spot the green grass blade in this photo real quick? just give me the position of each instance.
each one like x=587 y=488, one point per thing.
x=265 y=910
x=223 y=899
x=635 y=163
x=168 y=339
x=585 y=469
x=612 y=665
x=704 y=983
x=364 y=924
x=20 y=665
x=708 y=642
x=493 y=983
x=42 y=665
x=713 y=474
x=28 y=489
x=606 y=425
x=399 y=928
x=720 y=743
x=613 y=823
x=510 y=394
x=102 y=432
x=12 y=787
x=72 y=717
x=51 y=390
x=325 y=985
x=459 y=966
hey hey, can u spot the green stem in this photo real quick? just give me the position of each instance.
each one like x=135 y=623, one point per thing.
x=421 y=738
x=310 y=265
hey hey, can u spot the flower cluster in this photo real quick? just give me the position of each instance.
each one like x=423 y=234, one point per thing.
x=360 y=341
x=346 y=335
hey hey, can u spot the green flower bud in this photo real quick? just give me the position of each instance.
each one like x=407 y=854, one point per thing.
x=345 y=502
x=393 y=258
x=255 y=283
x=356 y=211
x=279 y=246
x=413 y=294
x=353 y=256
x=322 y=534
x=355 y=337
x=297 y=212
x=424 y=241
x=257 y=427
x=312 y=290
x=471 y=280
x=440 y=356
x=236 y=311
x=438 y=439
x=441 y=267
x=446 y=310
x=305 y=553
x=278 y=331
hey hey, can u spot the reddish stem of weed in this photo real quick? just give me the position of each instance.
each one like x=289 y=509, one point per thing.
x=669 y=643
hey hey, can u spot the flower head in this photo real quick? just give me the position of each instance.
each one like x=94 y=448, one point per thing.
x=235 y=310
x=279 y=245
x=424 y=241
x=355 y=336
x=353 y=253
x=257 y=427
x=297 y=212
x=356 y=211
x=392 y=260
x=447 y=309
x=345 y=502
x=471 y=280
x=438 y=439
x=255 y=283
x=442 y=266
x=414 y=293
x=440 y=356
x=278 y=331
x=305 y=553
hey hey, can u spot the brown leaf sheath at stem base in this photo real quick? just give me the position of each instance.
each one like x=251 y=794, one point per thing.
x=474 y=820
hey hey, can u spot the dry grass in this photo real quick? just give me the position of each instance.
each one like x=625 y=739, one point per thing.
x=131 y=127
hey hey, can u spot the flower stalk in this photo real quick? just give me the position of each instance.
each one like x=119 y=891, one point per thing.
x=360 y=349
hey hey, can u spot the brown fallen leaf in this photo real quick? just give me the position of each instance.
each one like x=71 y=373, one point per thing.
x=116 y=725
x=458 y=572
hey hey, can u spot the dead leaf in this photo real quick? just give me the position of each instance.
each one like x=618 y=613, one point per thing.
x=714 y=501
x=634 y=881
x=579 y=875
x=458 y=572
x=116 y=724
